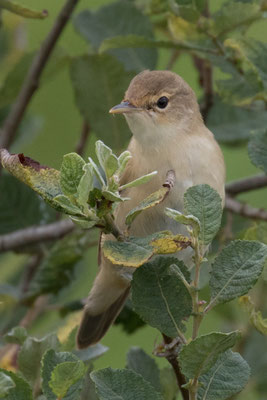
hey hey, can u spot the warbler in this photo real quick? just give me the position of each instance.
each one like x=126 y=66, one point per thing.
x=168 y=131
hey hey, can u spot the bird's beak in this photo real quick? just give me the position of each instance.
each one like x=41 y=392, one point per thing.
x=124 y=107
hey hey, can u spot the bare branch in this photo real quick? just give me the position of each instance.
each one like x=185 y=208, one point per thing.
x=246 y=184
x=205 y=72
x=171 y=357
x=83 y=138
x=205 y=81
x=243 y=209
x=31 y=82
x=173 y=58
x=35 y=234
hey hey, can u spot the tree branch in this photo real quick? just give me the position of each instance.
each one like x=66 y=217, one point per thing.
x=243 y=209
x=205 y=81
x=246 y=184
x=31 y=82
x=171 y=357
x=35 y=234
x=83 y=138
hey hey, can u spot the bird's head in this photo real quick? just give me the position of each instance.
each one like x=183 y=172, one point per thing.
x=157 y=102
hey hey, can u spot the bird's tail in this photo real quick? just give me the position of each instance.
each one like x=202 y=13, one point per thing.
x=106 y=299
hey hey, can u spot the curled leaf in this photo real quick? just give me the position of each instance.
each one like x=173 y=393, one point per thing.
x=184 y=219
x=150 y=201
x=43 y=180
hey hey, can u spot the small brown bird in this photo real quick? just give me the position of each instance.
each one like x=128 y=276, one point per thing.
x=168 y=134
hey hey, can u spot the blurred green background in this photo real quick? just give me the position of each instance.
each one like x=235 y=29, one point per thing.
x=59 y=133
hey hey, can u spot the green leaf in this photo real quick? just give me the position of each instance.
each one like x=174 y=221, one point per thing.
x=236 y=269
x=139 y=181
x=233 y=15
x=122 y=384
x=31 y=353
x=251 y=84
x=257 y=149
x=119 y=18
x=151 y=201
x=197 y=357
x=258 y=231
x=56 y=271
x=97 y=172
x=129 y=254
x=22 y=389
x=159 y=295
x=20 y=207
x=64 y=376
x=108 y=82
x=240 y=90
x=136 y=251
x=49 y=361
x=6 y=383
x=106 y=158
x=255 y=317
x=22 y=11
x=85 y=185
x=43 y=180
x=186 y=9
x=228 y=376
x=84 y=223
x=184 y=219
x=231 y=124
x=71 y=172
x=251 y=54
x=17 y=335
x=112 y=196
x=124 y=158
x=204 y=202
x=144 y=365
x=67 y=206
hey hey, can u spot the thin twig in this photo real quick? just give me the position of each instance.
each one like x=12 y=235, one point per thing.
x=171 y=357
x=83 y=138
x=173 y=58
x=205 y=80
x=246 y=184
x=205 y=71
x=245 y=210
x=30 y=270
x=31 y=82
x=35 y=234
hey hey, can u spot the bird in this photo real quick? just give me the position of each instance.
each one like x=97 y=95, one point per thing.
x=168 y=133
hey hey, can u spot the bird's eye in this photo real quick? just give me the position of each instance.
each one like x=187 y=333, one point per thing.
x=162 y=102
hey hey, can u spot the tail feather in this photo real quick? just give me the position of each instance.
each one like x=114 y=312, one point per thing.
x=94 y=327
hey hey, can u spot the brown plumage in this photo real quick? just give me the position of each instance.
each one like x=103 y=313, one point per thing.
x=164 y=138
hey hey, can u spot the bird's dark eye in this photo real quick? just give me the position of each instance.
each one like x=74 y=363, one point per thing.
x=162 y=102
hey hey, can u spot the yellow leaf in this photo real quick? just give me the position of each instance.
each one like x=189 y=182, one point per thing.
x=170 y=244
